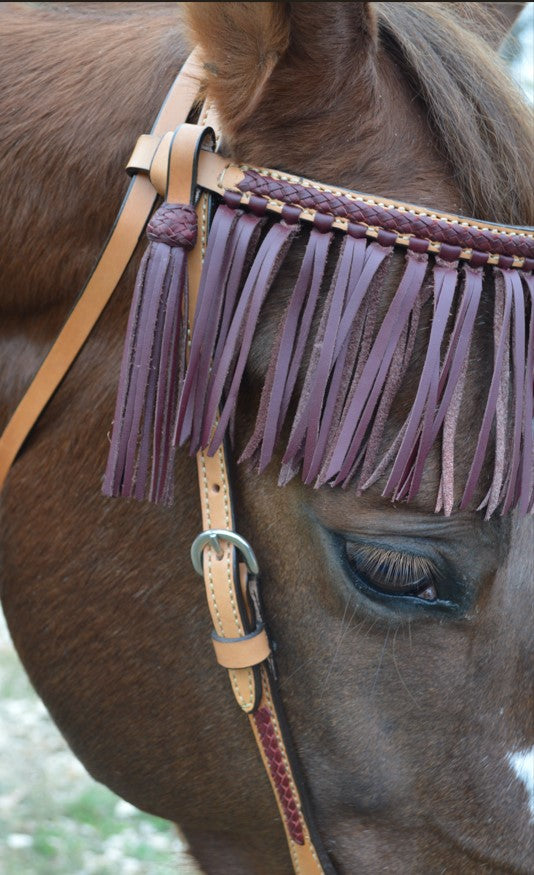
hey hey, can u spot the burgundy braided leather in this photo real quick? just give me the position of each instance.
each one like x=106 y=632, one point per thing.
x=279 y=774
x=174 y=224
x=389 y=219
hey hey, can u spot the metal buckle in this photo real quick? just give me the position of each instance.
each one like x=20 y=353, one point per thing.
x=212 y=538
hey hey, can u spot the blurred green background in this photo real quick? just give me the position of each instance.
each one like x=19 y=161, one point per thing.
x=54 y=819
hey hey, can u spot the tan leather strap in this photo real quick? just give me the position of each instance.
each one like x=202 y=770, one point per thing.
x=140 y=160
x=150 y=157
x=242 y=652
x=245 y=655
x=223 y=600
x=133 y=215
x=169 y=158
x=251 y=684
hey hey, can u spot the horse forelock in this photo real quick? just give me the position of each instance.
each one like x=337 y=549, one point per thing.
x=481 y=124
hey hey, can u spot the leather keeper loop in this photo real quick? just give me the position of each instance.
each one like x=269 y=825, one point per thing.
x=242 y=652
x=173 y=171
x=142 y=155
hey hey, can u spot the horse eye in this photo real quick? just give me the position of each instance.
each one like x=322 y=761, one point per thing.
x=393 y=573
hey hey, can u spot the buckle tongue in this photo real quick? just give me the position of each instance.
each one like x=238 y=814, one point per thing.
x=212 y=538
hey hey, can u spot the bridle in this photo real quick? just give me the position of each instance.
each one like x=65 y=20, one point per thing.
x=176 y=162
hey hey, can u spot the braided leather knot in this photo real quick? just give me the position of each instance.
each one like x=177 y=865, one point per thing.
x=174 y=224
x=390 y=219
x=279 y=773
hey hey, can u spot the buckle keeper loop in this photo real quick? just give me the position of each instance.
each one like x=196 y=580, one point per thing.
x=242 y=652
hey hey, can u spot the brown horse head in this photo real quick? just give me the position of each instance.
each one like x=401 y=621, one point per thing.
x=404 y=642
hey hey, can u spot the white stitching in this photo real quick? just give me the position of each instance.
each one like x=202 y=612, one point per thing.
x=235 y=683
x=237 y=620
x=208 y=551
x=229 y=578
x=308 y=214
x=274 y=718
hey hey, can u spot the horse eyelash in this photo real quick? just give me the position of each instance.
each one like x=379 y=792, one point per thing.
x=392 y=566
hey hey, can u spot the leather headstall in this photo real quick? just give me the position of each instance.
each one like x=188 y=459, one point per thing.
x=179 y=162
x=167 y=165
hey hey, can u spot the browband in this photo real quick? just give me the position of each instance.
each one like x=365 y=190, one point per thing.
x=175 y=389
x=349 y=387
x=389 y=221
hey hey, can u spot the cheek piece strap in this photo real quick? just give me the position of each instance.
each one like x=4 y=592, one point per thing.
x=230 y=571
x=191 y=327
x=167 y=164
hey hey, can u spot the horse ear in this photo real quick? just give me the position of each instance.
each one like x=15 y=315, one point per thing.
x=243 y=44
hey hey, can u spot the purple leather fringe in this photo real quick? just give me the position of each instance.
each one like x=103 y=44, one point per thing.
x=232 y=237
x=289 y=351
x=349 y=358
x=142 y=435
x=367 y=390
x=140 y=461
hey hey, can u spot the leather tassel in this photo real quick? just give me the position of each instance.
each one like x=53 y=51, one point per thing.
x=449 y=382
x=353 y=354
x=526 y=495
x=359 y=410
x=356 y=268
x=419 y=423
x=496 y=404
x=518 y=358
x=205 y=320
x=232 y=236
x=445 y=497
x=172 y=367
x=227 y=375
x=399 y=365
x=141 y=452
x=289 y=350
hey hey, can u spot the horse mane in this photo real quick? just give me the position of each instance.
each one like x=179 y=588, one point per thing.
x=359 y=358
x=482 y=125
x=479 y=126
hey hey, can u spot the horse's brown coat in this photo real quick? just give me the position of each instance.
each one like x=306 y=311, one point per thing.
x=403 y=724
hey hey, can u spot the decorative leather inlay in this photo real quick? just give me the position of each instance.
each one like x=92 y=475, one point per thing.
x=388 y=218
x=279 y=774
x=174 y=224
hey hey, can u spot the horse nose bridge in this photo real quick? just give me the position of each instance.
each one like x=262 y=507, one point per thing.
x=516 y=660
x=516 y=602
x=510 y=667
x=524 y=685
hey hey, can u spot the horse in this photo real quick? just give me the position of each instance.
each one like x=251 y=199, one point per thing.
x=403 y=636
